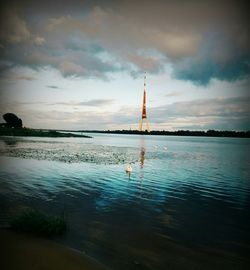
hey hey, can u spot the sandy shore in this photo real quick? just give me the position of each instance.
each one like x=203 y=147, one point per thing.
x=25 y=252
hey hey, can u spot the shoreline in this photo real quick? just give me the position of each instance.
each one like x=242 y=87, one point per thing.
x=28 y=132
x=24 y=251
x=178 y=133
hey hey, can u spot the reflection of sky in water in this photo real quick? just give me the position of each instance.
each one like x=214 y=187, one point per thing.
x=193 y=190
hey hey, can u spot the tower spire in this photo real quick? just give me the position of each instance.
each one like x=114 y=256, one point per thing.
x=145 y=74
x=144 y=113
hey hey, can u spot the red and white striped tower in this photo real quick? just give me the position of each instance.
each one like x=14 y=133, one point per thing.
x=144 y=120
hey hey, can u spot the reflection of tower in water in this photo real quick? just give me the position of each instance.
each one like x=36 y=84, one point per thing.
x=142 y=158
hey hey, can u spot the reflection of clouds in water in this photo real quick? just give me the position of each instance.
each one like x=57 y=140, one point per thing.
x=127 y=210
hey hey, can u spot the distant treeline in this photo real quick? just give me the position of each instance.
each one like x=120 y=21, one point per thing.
x=209 y=133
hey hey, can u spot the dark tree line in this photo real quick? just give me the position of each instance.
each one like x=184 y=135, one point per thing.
x=209 y=133
x=12 y=121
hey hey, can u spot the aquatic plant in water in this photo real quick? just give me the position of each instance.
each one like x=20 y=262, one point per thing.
x=36 y=222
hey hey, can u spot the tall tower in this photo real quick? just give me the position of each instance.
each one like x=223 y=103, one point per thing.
x=144 y=113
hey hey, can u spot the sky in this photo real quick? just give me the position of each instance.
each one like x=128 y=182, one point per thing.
x=80 y=64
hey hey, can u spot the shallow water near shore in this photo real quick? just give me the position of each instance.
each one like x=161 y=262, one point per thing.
x=193 y=192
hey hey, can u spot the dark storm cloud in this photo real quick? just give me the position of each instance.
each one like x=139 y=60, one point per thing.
x=216 y=59
x=202 y=71
x=96 y=102
x=201 y=40
x=220 y=124
x=89 y=103
x=53 y=86
x=217 y=108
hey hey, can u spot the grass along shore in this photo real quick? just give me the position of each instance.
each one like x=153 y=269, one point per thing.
x=27 y=244
x=37 y=223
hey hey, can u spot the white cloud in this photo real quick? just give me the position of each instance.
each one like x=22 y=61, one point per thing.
x=39 y=41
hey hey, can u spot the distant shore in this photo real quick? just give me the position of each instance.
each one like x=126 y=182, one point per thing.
x=209 y=133
x=28 y=132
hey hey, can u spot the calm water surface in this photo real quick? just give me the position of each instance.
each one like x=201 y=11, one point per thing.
x=192 y=191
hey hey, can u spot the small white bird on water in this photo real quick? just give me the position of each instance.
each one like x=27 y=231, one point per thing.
x=129 y=168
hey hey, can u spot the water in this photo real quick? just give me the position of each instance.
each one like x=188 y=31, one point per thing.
x=184 y=195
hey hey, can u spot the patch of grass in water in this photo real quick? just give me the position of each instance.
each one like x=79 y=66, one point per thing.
x=36 y=222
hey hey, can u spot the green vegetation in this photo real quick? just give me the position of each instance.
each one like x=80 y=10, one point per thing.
x=35 y=222
x=28 y=132
x=12 y=121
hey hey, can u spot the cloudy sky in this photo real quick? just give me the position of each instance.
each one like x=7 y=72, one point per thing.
x=80 y=64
